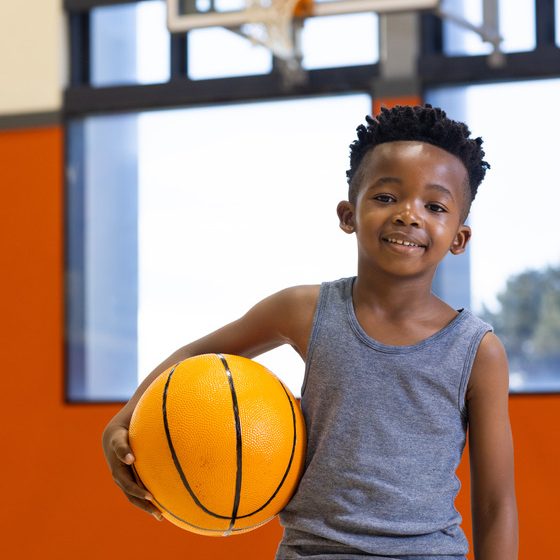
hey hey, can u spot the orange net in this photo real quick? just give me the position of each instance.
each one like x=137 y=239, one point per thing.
x=303 y=8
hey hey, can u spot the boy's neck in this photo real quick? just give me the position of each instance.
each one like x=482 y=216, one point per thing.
x=395 y=297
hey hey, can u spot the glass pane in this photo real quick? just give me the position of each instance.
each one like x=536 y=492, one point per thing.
x=153 y=43
x=517 y=24
x=215 y=52
x=130 y=44
x=345 y=40
x=200 y=5
x=229 y=5
x=515 y=255
x=180 y=196
x=102 y=258
x=517 y=27
x=191 y=7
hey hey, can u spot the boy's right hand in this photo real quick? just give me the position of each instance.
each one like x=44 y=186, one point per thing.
x=119 y=457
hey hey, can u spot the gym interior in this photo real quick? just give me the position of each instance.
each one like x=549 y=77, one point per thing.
x=121 y=139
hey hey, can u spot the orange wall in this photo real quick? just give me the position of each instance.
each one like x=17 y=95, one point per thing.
x=58 y=498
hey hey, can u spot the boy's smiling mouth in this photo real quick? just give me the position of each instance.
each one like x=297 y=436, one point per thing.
x=406 y=242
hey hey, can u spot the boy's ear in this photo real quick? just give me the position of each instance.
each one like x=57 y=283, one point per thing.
x=461 y=239
x=345 y=211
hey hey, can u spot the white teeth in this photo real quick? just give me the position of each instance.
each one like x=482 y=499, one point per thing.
x=399 y=242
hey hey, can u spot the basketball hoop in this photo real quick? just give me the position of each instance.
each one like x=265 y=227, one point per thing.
x=276 y=30
x=276 y=24
x=279 y=31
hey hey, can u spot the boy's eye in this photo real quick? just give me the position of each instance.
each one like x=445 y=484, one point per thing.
x=384 y=197
x=436 y=207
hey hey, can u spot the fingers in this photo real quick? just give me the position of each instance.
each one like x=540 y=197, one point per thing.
x=120 y=469
x=120 y=459
x=136 y=494
x=122 y=475
x=119 y=444
x=146 y=506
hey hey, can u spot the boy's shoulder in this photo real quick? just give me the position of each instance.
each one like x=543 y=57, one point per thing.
x=291 y=311
x=303 y=299
x=490 y=370
x=490 y=352
x=295 y=299
x=304 y=293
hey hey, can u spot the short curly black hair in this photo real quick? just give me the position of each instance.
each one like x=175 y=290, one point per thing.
x=423 y=123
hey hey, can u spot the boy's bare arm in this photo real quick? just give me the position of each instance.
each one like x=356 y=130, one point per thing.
x=494 y=507
x=283 y=318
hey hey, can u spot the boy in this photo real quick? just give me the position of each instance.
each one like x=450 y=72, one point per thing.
x=393 y=374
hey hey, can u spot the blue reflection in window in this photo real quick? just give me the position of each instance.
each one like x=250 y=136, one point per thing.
x=130 y=44
x=102 y=258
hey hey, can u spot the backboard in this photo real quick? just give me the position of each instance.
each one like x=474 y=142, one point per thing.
x=275 y=24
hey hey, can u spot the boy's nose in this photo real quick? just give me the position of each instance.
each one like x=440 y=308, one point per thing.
x=407 y=217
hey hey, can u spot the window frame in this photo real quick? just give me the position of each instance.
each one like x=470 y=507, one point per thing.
x=434 y=69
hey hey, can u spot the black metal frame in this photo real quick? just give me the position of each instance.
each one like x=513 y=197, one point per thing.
x=181 y=91
x=434 y=69
x=86 y=5
x=80 y=98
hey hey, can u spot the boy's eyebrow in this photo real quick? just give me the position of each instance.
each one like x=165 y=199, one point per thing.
x=441 y=189
x=435 y=186
x=383 y=180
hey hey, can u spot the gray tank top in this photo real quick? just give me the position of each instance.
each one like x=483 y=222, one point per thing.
x=386 y=431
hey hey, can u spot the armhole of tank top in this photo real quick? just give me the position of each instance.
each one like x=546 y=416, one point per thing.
x=467 y=368
x=314 y=330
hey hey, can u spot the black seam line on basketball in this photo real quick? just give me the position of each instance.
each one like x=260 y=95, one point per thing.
x=174 y=454
x=239 y=443
x=224 y=531
x=294 y=442
x=183 y=477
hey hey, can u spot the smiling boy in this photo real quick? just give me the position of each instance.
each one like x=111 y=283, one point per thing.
x=394 y=376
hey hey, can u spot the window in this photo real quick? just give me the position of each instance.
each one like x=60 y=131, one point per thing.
x=344 y=40
x=215 y=52
x=129 y=44
x=517 y=27
x=152 y=185
x=515 y=261
x=143 y=184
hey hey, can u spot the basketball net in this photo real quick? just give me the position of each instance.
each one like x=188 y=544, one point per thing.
x=279 y=31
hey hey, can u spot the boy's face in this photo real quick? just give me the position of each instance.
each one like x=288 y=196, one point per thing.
x=409 y=207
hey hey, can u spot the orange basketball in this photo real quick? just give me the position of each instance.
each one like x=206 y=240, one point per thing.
x=219 y=442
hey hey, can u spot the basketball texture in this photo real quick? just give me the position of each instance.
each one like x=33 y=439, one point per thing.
x=219 y=442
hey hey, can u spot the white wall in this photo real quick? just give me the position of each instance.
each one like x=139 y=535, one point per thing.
x=32 y=56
